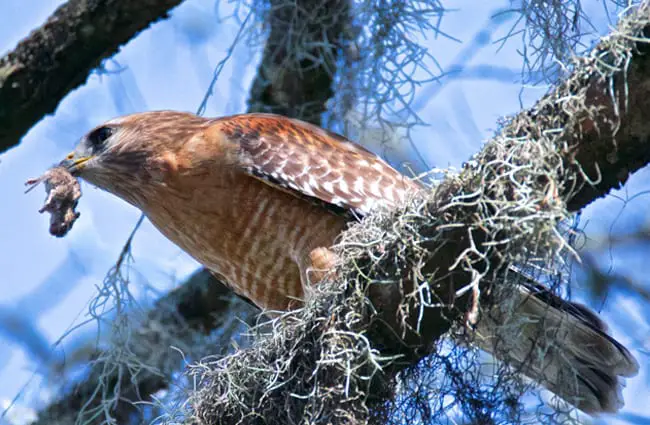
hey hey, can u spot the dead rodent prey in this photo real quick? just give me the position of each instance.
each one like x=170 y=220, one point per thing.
x=63 y=193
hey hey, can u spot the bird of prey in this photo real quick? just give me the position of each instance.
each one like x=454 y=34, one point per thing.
x=258 y=199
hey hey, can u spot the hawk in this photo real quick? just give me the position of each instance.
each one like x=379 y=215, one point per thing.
x=259 y=198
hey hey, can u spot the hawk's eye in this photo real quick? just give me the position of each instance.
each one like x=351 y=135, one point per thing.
x=98 y=137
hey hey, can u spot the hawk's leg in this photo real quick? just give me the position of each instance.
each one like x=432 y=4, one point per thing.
x=322 y=262
x=319 y=265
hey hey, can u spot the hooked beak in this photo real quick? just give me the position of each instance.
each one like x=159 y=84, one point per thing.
x=74 y=163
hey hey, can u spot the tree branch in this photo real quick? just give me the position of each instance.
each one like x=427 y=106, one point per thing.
x=299 y=62
x=614 y=140
x=58 y=57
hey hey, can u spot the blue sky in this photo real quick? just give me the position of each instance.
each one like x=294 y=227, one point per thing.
x=48 y=283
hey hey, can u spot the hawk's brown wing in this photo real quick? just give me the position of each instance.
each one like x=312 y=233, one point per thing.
x=310 y=162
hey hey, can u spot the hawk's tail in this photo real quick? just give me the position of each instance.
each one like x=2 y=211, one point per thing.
x=562 y=345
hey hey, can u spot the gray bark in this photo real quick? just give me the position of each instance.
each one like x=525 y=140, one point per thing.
x=58 y=56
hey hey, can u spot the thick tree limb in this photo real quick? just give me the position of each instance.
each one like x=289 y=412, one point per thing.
x=58 y=57
x=615 y=142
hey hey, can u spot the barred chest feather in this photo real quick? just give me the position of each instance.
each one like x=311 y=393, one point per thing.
x=257 y=237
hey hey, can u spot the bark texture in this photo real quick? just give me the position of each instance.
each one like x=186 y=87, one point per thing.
x=58 y=57
x=610 y=153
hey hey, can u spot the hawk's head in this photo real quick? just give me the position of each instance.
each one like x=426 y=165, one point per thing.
x=121 y=154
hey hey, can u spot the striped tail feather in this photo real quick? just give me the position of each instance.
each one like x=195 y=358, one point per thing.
x=563 y=346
